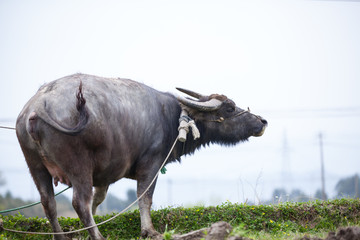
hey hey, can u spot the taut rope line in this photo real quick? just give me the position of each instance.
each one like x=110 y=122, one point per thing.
x=31 y=204
x=108 y=220
x=183 y=130
x=11 y=128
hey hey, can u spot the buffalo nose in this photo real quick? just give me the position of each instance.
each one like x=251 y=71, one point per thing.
x=263 y=121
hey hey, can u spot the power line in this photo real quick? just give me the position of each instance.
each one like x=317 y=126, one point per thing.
x=338 y=112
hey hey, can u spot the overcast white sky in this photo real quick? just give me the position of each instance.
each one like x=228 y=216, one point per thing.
x=296 y=63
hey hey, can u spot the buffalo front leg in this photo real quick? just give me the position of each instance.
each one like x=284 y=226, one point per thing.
x=147 y=228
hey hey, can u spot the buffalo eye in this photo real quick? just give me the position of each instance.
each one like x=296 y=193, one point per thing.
x=230 y=109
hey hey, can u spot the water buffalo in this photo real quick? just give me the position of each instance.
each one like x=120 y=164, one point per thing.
x=87 y=131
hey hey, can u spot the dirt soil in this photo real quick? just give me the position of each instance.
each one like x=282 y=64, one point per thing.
x=349 y=233
x=221 y=230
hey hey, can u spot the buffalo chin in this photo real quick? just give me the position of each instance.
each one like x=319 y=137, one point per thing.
x=259 y=134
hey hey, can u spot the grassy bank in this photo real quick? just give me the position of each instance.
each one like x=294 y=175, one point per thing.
x=281 y=221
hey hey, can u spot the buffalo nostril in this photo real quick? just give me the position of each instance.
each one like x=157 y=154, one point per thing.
x=264 y=121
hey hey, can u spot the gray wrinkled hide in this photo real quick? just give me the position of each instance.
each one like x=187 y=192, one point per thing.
x=124 y=129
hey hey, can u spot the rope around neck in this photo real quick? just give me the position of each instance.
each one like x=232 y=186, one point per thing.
x=108 y=220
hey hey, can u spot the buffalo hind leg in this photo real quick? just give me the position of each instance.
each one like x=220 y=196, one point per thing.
x=147 y=228
x=99 y=196
x=82 y=199
x=43 y=182
x=49 y=204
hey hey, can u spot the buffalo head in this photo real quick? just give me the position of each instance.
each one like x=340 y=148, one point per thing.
x=222 y=121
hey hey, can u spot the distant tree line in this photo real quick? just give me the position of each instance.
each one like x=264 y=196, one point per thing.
x=348 y=187
x=114 y=204
x=63 y=204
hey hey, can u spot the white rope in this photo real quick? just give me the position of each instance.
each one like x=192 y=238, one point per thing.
x=4 y=127
x=185 y=123
x=110 y=219
x=195 y=130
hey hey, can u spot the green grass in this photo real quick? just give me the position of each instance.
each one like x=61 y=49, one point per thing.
x=282 y=221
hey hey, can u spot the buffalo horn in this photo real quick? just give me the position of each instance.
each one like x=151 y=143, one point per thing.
x=190 y=93
x=211 y=105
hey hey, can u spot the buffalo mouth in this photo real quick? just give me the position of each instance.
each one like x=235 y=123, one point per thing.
x=261 y=131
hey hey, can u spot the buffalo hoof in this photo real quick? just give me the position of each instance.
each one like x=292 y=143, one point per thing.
x=150 y=233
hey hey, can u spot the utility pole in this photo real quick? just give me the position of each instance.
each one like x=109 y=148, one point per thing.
x=356 y=186
x=286 y=169
x=323 y=194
